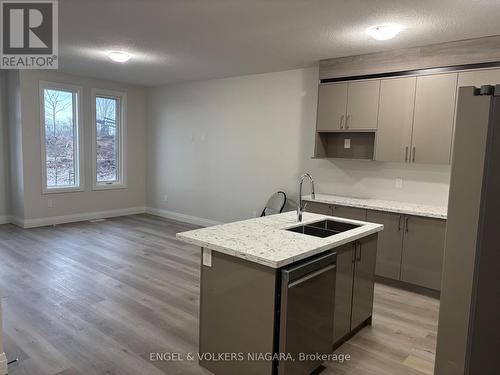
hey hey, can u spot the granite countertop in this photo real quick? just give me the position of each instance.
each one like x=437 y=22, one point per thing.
x=264 y=240
x=437 y=212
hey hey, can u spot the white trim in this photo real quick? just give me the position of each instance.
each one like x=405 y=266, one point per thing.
x=122 y=157
x=55 y=220
x=182 y=217
x=78 y=120
x=5 y=219
x=3 y=364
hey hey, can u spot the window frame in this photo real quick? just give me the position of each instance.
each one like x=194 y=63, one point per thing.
x=78 y=132
x=122 y=142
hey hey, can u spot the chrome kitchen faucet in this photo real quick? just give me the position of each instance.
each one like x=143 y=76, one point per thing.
x=301 y=207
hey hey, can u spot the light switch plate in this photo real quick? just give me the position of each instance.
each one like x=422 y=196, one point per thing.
x=399 y=183
x=207 y=257
x=347 y=143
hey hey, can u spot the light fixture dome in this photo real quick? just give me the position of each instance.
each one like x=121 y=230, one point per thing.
x=384 y=32
x=119 y=56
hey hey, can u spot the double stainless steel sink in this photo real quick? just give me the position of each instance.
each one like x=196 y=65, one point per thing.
x=324 y=228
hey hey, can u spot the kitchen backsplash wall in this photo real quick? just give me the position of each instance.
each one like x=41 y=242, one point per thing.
x=219 y=148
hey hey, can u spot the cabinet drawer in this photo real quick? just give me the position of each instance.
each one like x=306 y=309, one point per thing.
x=319 y=208
x=349 y=212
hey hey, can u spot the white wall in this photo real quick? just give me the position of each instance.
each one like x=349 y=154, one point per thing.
x=219 y=148
x=4 y=150
x=35 y=204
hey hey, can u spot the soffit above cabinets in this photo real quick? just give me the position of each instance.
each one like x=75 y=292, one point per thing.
x=477 y=53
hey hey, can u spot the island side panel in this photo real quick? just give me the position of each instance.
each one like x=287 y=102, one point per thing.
x=237 y=313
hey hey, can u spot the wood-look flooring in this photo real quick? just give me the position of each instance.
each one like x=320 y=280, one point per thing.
x=98 y=298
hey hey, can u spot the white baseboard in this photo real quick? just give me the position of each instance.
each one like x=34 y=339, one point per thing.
x=3 y=364
x=54 y=220
x=182 y=217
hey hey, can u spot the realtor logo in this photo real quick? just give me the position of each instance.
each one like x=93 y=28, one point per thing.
x=29 y=37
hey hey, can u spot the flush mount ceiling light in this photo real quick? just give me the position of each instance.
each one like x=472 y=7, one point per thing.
x=384 y=32
x=119 y=56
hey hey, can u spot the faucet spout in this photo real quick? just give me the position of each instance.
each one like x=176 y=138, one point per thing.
x=301 y=207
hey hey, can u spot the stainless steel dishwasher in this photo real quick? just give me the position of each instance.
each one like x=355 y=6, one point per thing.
x=306 y=313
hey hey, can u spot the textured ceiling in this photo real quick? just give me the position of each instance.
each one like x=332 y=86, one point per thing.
x=185 y=40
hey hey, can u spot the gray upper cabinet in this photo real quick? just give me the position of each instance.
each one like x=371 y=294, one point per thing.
x=433 y=119
x=390 y=242
x=362 y=105
x=423 y=250
x=332 y=106
x=477 y=78
x=395 y=119
x=348 y=106
x=412 y=117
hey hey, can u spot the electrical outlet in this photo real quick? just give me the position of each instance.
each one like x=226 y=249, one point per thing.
x=347 y=143
x=399 y=183
x=50 y=203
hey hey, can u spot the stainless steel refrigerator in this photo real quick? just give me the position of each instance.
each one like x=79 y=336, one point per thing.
x=468 y=339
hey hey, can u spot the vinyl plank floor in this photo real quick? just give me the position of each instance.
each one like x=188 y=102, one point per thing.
x=99 y=298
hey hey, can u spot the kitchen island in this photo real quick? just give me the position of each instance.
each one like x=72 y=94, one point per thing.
x=257 y=315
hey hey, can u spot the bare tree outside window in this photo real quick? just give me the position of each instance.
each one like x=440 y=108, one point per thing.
x=60 y=139
x=107 y=139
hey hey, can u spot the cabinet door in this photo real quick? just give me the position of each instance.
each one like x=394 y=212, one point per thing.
x=433 y=120
x=364 y=280
x=362 y=105
x=475 y=78
x=343 y=291
x=319 y=208
x=423 y=249
x=395 y=119
x=349 y=212
x=390 y=243
x=332 y=104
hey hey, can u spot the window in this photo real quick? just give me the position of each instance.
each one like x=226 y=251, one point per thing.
x=59 y=113
x=109 y=139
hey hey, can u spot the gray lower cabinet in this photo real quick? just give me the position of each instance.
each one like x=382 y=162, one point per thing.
x=319 y=208
x=349 y=212
x=343 y=291
x=423 y=251
x=336 y=210
x=354 y=287
x=410 y=248
x=390 y=242
x=364 y=280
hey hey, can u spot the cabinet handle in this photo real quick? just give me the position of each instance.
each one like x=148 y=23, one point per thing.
x=406 y=224
x=399 y=223
x=414 y=152
x=342 y=122
x=359 y=257
x=406 y=154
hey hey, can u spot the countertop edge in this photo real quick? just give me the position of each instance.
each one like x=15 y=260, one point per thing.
x=376 y=207
x=374 y=228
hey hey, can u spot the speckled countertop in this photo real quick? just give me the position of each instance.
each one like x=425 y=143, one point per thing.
x=264 y=240
x=437 y=212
